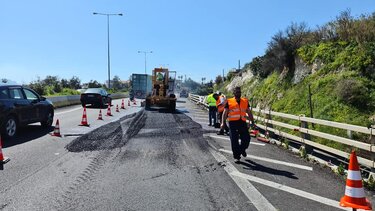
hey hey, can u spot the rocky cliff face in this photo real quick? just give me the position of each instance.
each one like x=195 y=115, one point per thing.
x=302 y=69
x=240 y=80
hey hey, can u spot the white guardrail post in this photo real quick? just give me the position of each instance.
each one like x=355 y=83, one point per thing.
x=269 y=125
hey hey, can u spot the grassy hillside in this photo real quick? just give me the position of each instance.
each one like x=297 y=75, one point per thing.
x=343 y=90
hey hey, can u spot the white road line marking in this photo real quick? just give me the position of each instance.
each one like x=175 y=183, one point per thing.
x=64 y=112
x=228 y=139
x=256 y=198
x=273 y=161
x=291 y=190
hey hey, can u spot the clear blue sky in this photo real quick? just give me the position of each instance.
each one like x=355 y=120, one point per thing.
x=197 y=38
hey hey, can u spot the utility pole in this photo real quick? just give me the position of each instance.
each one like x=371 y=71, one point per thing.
x=223 y=76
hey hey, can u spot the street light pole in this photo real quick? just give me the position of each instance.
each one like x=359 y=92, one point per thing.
x=145 y=52
x=109 y=60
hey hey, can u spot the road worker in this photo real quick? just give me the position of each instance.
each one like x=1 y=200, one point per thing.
x=211 y=101
x=220 y=104
x=235 y=110
x=159 y=76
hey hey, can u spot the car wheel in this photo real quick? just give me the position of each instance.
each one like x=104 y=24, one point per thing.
x=47 y=122
x=10 y=127
x=148 y=104
x=102 y=104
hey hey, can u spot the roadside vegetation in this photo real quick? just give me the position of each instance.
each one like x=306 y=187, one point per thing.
x=54 y=86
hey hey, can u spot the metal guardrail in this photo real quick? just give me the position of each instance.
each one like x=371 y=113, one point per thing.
x=199 y=100
x=265 y=122
x=61 y=101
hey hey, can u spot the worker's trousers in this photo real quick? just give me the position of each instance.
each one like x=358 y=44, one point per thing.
x=239 y=130
x=212 y=114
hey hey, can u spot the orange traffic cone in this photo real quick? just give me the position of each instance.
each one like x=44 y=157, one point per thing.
x=109 y=110
x=128 y=102
x=2 y=158
x=100 y=115
x=122 y=104
x=84 y=118
x=117 y=110
x=354 y=193
x=56 y=131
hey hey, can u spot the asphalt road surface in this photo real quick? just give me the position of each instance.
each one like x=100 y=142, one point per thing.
x=156 y=160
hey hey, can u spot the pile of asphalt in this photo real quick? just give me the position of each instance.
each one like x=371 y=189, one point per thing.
x=109 y=136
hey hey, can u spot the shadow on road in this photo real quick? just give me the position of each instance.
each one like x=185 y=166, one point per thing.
x=166 y=110
x=251 y=165
x=98 y=107
x=26 y=134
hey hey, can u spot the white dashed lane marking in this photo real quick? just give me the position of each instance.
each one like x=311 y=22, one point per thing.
x=228 y=139
x=259 y=201
x=272 y=161
x=256 y=198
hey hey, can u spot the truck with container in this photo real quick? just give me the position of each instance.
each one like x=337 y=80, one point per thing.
x=141 y=86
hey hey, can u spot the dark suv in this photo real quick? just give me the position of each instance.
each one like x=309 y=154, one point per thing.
x=20 y=106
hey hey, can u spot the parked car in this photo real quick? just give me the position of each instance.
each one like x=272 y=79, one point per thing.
x=96 y=97
x=20 y=106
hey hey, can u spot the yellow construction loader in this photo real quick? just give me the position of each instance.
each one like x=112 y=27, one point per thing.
x=163 y=85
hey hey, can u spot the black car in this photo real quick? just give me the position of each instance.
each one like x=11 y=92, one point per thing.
x=96 y=97
x=20 y=106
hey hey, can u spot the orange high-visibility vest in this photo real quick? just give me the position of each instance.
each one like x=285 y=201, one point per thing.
x=220 y=107
x=237 y=112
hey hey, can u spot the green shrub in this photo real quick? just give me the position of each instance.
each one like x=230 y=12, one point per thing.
x=340 y=169
x=353 y=92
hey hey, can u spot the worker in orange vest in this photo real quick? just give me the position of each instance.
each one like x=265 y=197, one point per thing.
x=221 y=101
x=235 y=110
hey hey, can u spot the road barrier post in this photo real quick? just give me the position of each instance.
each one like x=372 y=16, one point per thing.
x=269 y=125
x=305 y=136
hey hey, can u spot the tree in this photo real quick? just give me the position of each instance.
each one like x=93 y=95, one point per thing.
x=219 y=79
x=94 y=84
x=51 y=80
x=116 y=83
x=75 y=83
x=255 y=65
x=64 y=83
